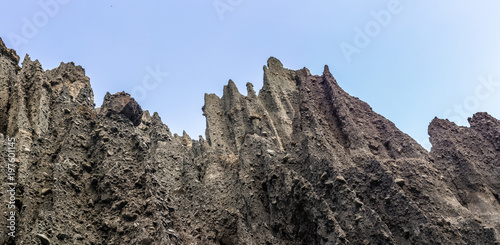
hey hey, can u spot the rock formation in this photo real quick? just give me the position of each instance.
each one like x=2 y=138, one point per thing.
x=301 y=162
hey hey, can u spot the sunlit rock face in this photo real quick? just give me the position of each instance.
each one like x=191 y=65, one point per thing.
x=299 y=162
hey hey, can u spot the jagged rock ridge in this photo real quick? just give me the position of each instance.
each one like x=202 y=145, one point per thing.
x=301 y=162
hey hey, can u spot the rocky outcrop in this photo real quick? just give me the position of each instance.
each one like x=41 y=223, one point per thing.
x=299 y=162
x=469 y=161
x=122 y=103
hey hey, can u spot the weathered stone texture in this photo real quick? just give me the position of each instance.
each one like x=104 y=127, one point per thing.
x=300 y=162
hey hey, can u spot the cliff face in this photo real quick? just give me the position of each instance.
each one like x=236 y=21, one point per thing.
x=301 y=162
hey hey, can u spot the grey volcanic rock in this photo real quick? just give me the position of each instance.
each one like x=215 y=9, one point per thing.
x=300 y=162
x=122 y=103
x=469 y=160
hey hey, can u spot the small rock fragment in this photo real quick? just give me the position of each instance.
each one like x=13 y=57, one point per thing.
x=90 y=203
x=341 y=179
x=46 y=191
x=400 y=182
x=324 y=176
x=329 y=184
x=358 y=202
x=62 y=236
x=78 y=237
x=44 y=240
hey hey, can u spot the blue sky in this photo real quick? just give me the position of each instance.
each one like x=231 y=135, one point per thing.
x=410 y=60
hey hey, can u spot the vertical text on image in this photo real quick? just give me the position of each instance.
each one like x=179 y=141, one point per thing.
x=11 y=186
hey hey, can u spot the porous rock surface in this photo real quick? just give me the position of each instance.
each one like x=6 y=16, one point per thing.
x=301 y=162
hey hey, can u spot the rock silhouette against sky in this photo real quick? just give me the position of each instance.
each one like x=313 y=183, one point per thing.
x=299 y=162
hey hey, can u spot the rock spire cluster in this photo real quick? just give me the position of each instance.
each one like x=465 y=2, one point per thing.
x=299 y=162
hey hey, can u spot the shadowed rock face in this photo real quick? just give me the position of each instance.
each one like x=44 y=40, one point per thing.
x=122 y=103
x=301 y=162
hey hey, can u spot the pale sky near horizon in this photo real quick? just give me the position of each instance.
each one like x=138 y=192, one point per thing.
x=410 y=60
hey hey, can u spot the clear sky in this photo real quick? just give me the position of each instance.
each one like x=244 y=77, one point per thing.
x=410 y=60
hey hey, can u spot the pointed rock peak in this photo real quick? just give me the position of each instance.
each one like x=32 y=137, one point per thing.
x=156 y=119
x=122 y=103
x=28 y=63
x=439 y=121
x=186 y=139
x=211 y=96
x=68 y=68
x=120 y=96
x=328 y=76
x=10 y=53
x=304 y=72
x=27 y=58
x=326 y=71
x=210 y=101
x=146 y=117
x=107 y=97
x=481 y=118
x=231 y=85
x=250 y=90
x=230 y=89
x=440 y=124
x=274 y=64
x=2 y=44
